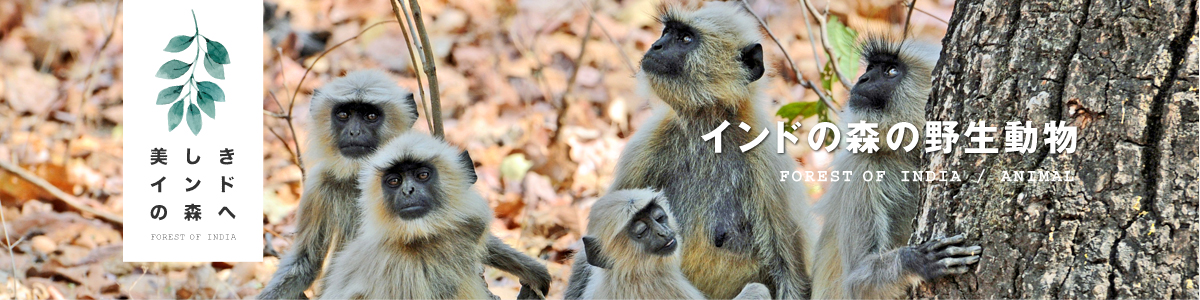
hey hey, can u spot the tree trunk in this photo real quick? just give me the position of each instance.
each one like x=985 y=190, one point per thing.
x=1125 y=74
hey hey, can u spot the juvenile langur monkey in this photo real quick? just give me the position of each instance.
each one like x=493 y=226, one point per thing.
x=741 y=224
x=631 y=248
x=424 y=233
x=351 y=117
x=862 y=251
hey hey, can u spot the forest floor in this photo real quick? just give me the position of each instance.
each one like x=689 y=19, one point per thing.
x=503 y=67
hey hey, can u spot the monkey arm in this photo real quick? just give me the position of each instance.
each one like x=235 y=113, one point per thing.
x=580 y=275
x=299 y=268
x=784 y=254
x=534 y=276
x=886 y=274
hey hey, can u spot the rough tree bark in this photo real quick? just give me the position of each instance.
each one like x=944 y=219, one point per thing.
x=1125 y=73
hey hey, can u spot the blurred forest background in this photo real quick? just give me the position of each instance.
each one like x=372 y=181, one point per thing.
x=505 y=69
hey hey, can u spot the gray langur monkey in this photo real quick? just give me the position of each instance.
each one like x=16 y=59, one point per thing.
x=631 y=248
x=863 y=250
x=424 y=232
x=742 y=224
x=351 y=117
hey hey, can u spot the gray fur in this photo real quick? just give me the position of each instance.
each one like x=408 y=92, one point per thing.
x=862 y=251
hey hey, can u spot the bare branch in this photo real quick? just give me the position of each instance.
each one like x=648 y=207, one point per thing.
x=70 y=200
x=592 y=15
x=913 y=6
x=412 y=55
x=319 y=57
x=297 y=156
x=825 y=43
x=795 y=72
x=435 y=101
x=908 y=18
x=564 y=104
x=91 y=82
x=12 y=262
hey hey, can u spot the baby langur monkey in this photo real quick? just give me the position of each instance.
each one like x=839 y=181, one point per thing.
x=633 y=250
x=424 y=232
x=351 y=117
x=862 y=251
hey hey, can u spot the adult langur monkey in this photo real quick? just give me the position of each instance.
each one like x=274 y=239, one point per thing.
x=424 y=233
x=862 y=251
x=351 y=117
x=741 y=222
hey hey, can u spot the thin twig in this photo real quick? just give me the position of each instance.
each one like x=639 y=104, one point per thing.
x=628 y=62
x=285 y=145
x=908 y=18
x=297 y=156
x=323 y=53
x=931 y=15
x=796 y=72
x=564 y=104
x=71 y=201
x=11 y=260
x=435 y=101
x=825 y=43
x=396 y=7
x=87 y=91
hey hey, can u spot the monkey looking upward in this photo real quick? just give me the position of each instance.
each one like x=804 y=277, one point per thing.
x=424 y=231
x=351 y=117
x=741 y=224
x=631 y=248
x=862 y=251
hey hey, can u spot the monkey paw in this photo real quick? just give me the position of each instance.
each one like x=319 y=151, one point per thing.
x=941 y=257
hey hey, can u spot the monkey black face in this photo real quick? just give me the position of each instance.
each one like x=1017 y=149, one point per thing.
x=356 y=127
x=650 y=229
x=876 y=86
x=668 y=56
x=409 y=188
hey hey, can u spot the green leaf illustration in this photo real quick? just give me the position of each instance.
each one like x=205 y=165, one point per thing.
x=215 y=69
x=211 y=91
x=207 y=106
x=174 y=115
x=179 y=43
x=207 y=93
x=172 y=69
x=193 y=119
x=217 y=52
x=169 y=94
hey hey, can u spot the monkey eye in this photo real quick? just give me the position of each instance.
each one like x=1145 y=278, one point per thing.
x=393 y=182
x=639 y=229
x=662 y=218
x=341 y=115
x=424 y=175
x=687 y=39
x=372 y=117
x=892 y=72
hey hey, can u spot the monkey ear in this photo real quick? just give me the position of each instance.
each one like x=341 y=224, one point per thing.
x=469 y=165
x=412 y=108
x=595 y=257
x=752 y=60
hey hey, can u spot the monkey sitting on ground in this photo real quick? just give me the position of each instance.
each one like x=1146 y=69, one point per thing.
x=862 y=252
x=631 y=249
x=742 y=224
x=424 y=232
x=351 y=117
